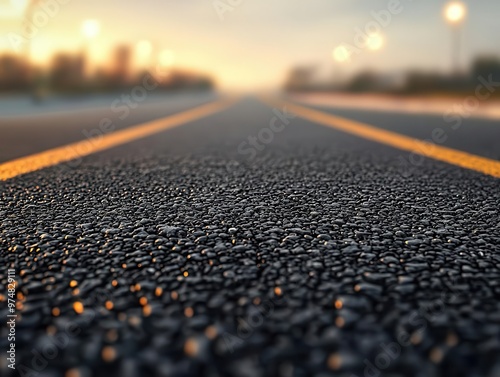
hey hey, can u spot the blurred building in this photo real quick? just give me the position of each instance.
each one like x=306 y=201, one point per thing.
x=67 y=72
x=14 y=73
x=183 y=79
x=485 y=66
x=120 y=72
x=412 y=82
x=300 y=78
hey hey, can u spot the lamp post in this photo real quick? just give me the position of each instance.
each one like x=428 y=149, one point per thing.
x=375 y=41
x=144 y=49
x=23 y=9
x=28 y=16
x=166 y=58
x=34 y=87
x=90 y=30
x=454 y=13
x=340 y=55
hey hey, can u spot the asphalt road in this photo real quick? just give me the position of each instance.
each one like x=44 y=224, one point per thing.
x=28 y=128
x=191 y=252
x=474 y=135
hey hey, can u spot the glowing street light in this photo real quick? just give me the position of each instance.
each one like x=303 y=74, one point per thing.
x=375 y=42
x=167 y=58
x=28 y=6
x=454 y=13
x=341 y=54
x=144 y=49
x=91 y=29
x=21 y=4
x=21 y=9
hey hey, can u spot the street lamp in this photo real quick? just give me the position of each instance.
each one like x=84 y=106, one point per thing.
x=21 y=9
x=28 y=16
x=167 y=58
x=29 y=9
x=144 y=49
x=454 y=13
x=340 y=55
x=90 y=29
x=375 y=41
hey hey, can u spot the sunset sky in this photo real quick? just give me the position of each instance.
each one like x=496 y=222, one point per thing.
x=259 y=40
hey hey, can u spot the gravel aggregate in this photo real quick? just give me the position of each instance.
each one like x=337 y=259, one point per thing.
x=320 y=262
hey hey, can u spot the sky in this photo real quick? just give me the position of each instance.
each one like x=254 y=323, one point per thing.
x=254 y=43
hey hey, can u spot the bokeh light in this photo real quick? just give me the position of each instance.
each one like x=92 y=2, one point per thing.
x=341 y=54
x=144 y=49
x=167 y=58
x=91 y=28
x=375 y=42
x=20 y=4
x=455 y=12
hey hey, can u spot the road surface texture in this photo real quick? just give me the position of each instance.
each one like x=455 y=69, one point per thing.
x=323 y=255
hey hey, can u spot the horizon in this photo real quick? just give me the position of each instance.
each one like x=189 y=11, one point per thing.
x=254 y=45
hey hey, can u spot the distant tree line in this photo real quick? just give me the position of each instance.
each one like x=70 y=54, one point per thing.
x=412 y=82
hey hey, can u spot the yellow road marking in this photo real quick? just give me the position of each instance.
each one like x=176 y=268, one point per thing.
x=86 y=147
x=366 y=131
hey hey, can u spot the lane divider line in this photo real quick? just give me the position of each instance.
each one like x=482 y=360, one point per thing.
x=86 y=147
x=366 y=131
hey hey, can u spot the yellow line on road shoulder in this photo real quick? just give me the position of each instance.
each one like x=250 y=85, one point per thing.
x=406 y=143
x=86 y=147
